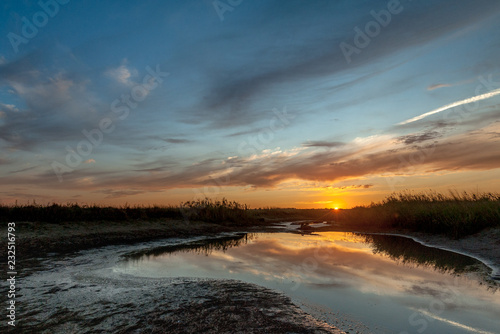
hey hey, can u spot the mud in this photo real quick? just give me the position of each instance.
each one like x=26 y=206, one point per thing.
x=80 y=293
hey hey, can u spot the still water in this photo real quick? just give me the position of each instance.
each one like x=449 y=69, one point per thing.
x=390 y=284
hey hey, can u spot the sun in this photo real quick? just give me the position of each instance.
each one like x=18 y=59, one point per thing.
x=335 y=208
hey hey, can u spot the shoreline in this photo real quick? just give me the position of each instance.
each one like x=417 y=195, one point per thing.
x=483 y=246
x=452 y=247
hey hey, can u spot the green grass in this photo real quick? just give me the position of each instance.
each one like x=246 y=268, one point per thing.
x=455 y=214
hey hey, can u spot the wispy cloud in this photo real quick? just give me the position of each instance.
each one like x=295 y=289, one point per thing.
x=436 y=86
x=444 y=85
x=453 y=105
x=178 y=141
x=323 y=144
x=420 y=137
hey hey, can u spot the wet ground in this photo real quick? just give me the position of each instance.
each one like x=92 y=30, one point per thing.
x=81 y=294
x=389 y=283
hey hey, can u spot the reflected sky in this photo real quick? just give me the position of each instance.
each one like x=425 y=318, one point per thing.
x=345 y=273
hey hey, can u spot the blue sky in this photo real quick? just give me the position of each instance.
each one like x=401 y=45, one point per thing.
x=258 y=101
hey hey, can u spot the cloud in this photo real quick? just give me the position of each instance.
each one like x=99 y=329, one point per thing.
x=453 y=105
x=113 y=193
x=444 y=85
x=8 y=108
x=56 y=104
x=419 y=138
x=178 y=141
x=323 y=144
x=122 y=74
x=472 y=150
x=245 y=132
x=89 y=161
x=23 y=169
x=234 y=91
x=432 y=87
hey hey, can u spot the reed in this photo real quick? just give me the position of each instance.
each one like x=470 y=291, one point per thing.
x=72 y=212
x=454 y=214
x=216 y=211
x=205 y=210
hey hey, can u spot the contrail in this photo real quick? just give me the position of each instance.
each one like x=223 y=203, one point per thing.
x=453 y=105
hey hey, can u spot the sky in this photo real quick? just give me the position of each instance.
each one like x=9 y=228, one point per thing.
x=306 y=104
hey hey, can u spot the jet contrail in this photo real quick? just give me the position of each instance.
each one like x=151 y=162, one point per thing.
x=453 y=105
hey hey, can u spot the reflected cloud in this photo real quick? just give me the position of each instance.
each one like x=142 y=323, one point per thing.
x=373 y=264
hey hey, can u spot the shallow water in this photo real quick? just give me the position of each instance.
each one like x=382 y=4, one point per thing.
x=390 y=284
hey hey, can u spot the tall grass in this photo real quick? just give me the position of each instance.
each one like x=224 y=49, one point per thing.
x=206 y=210
x=209 y=210
x=454 y=214
x=293 y=214
x=72 y=212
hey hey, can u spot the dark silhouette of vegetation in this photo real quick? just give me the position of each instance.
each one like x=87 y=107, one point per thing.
x=212 y=211
x=455 y=215
x=205 y=210
x=59 y=213
x=204 y=247
x=408 y=251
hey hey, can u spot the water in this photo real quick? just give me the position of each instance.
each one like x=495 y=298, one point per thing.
x=390 y=284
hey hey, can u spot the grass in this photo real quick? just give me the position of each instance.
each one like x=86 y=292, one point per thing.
x=455 y=214
x=57 y=213
x=212 y=211
x=205 y=210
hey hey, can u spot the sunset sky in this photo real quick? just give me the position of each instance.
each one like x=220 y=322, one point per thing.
x=270 y=103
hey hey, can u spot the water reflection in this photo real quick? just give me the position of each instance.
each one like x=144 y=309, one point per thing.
x=204 y=247
x=399 y=249
x=408 y=251
x=383 y=280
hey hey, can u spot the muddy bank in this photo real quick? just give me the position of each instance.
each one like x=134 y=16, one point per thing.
x=81 y=293
x=484 y=246
x=39 y=239
x=181 y=306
